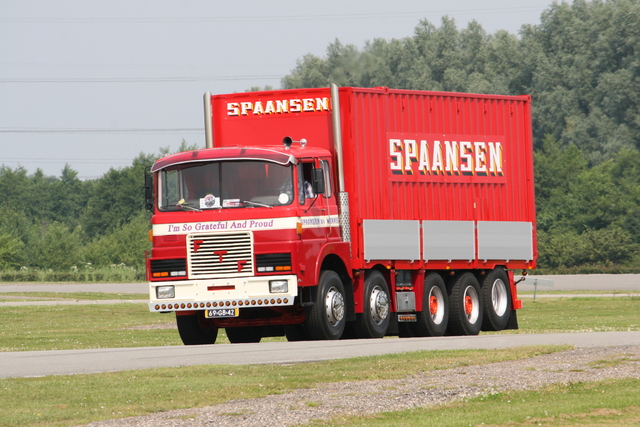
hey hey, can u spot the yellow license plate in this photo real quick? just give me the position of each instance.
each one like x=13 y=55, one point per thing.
x=221 y=312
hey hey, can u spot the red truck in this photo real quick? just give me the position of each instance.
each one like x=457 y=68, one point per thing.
x=345 y=212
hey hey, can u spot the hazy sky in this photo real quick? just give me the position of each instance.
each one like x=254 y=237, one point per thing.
x=94 y=84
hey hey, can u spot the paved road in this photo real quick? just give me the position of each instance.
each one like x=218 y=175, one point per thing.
x=587 y=282
x=40 y=363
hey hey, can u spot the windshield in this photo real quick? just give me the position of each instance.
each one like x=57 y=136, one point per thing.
x=227 y=184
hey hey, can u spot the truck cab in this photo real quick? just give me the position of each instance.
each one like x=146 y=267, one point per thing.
x=235 y=228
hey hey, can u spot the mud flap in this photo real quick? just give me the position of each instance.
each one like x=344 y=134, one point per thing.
x=513 y=320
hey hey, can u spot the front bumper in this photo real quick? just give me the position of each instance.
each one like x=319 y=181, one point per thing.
x=244 y=292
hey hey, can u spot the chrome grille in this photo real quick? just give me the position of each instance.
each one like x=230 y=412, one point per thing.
x=220 y=255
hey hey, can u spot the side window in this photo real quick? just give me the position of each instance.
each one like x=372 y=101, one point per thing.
x=328 y=189
x=304 y=185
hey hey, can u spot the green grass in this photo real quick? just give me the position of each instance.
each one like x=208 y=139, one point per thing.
x=132 y=325
x=71 y=296
x=80 y=274
x=605 y=403
x=39 y=401
x=76 y=399
x=83 y=326
x=580 y=314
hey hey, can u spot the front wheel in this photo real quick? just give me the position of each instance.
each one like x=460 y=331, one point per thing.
x=194 y=329
x=294 y=332
x=497 y=300
x=434 y=317
x=374 y=320
x=326 y=318
x=465 y=305
x=244 y=334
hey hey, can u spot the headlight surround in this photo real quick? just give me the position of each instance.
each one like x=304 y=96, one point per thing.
x=278 y=286
x=165 y=292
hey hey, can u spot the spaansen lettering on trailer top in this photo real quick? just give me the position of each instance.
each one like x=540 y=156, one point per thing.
x=439 y=157
x=278 y=106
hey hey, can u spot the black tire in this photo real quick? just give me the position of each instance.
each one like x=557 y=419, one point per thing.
x=244 y=334
x=465 y=305
x=373 y=322
x=295 y=333
x=496 y=296
x=434 y=318
x=326 y=318
x=194 y=329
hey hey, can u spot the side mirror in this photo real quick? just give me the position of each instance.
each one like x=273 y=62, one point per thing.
x=317 y=178
x=148 y=190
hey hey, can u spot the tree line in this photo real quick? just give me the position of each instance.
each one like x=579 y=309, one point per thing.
x=581 y=65
x=64 y=224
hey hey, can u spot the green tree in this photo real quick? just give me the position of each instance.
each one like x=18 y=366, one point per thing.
x=116 y=198
x=11 y=252
x=126 y=244
x=58 y=248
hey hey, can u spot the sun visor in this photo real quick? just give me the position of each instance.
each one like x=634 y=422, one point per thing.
x=224 y=154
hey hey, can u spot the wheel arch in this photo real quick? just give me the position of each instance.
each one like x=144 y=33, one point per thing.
x=334 y=262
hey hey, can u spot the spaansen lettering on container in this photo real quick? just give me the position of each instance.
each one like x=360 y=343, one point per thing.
x=435 y=157
x=279 y=106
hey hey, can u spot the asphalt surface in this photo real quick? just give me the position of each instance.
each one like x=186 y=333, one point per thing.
x=585 y=282
x=42 y=363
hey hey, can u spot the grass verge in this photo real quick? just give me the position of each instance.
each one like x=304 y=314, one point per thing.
x=604 y=403
x=64 y=327
x=76 y=399
x=71 y=296
x=580 y=314
x=132 y=325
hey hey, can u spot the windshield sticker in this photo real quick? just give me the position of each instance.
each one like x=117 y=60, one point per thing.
x=209 y=201
x=231 y=203
x=283 y=198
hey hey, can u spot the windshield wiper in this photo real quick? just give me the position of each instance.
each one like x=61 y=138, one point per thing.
x=264 y=205
x=182 y=204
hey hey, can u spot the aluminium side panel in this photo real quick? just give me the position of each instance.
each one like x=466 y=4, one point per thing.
x=505 y=240
x=391 y=239
x=449 y=240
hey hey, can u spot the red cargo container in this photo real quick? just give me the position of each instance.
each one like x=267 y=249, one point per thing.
x=423 y=206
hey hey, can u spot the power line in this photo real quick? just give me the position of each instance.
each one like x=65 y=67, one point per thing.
x=96 y=130
x=147 y=20
x=135 y=79
x=53 y=160
x=100 y=80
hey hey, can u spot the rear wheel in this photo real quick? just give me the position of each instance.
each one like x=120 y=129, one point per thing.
x=465 y=305
x=326 y=318
x=373 y=322
x=244 y=334
x=434 y=317
x=497 y=300
x=194 y=329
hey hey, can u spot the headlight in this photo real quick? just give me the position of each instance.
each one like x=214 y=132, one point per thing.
x=165 y=292
x=278 y=286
